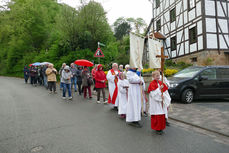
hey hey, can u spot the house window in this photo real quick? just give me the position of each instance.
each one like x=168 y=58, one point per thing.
x=158 y=25
x=173 y=15
x=194 y=59
x=173 y=42
x=191 y=4
x=157 y=3
x=192 y=35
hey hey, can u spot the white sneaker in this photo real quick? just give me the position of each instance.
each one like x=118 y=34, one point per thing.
x=98 y=102
x=64 y=98
x=70 y=98
x=105 y=102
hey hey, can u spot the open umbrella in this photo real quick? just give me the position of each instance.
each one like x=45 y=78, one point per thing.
x=45 y=63
x=36 y=64
x=83 y=62
x=30 y=65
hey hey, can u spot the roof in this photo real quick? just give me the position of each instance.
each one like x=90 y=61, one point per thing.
x=159 y=35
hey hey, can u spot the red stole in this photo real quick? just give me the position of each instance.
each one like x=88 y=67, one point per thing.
x=115 y=94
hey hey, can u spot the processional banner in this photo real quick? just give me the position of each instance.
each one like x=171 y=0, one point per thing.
x=136 y=51
x=154 y=50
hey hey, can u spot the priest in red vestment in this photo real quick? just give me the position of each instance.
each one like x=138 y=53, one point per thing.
x=112 y=77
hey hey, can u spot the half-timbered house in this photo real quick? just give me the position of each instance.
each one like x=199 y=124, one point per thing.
x=197 y=31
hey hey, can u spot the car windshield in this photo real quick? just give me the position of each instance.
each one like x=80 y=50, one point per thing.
x=188 y=72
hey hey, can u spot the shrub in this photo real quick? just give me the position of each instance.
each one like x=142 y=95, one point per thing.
x=170 y=72
x=149 y=70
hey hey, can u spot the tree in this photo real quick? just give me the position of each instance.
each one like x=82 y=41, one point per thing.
x=139 y=24
x=121 y=28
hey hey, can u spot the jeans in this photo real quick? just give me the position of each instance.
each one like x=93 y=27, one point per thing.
x=73 y=82
x=61 y=85
x=79 y=87
x=26 y=78
x=67 y=87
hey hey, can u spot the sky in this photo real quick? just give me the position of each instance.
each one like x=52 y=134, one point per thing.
x=119 y=8
x=122 y=8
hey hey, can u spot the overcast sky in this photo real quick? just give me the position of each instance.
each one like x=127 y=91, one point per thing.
x=119 y=8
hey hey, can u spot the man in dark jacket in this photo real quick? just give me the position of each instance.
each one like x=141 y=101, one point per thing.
x=33 y=75
x=79 y=79
x=26 y=74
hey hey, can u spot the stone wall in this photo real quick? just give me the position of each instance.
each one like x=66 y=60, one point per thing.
x=205 y=58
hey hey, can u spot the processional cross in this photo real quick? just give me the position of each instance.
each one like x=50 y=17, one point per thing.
x=158 y=35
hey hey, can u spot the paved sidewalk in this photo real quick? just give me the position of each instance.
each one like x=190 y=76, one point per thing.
x=210 y=116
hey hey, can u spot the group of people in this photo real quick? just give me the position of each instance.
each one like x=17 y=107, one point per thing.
x=36 y=75
x=71 y=77
x=127 y=95
x=127 y=91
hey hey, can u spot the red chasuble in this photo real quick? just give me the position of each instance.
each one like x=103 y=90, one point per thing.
x=115 y=94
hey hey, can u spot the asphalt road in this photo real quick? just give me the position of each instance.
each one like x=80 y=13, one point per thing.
x=31 y=120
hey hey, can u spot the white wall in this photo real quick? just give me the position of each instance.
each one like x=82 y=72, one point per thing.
x=211 y=25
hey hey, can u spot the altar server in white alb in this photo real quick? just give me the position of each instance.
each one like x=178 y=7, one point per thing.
x=133 y=114
x=112 y=77
x=158 y=103
x=168 y=85
x=123 y=86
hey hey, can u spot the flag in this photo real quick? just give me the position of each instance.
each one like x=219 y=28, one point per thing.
x=154 y=50
x=136 y=51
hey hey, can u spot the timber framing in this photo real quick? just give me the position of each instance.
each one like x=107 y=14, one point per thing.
x=186 y=18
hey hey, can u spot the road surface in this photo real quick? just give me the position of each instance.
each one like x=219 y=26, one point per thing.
x=31 y=120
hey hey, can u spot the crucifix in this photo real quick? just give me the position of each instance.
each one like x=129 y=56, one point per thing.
x=163 y=57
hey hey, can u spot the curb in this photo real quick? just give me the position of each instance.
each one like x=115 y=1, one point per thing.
x=210 y=130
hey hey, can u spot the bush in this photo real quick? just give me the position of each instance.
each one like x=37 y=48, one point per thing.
x=170 y=72
x=149 y=70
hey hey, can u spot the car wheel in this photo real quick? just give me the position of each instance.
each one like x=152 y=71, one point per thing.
x=187 y=96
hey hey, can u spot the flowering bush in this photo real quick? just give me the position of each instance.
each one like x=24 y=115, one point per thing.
x=167 y=72
x=147 y=70
x=170 y=72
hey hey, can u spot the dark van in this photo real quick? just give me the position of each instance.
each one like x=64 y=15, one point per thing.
x=200 y=82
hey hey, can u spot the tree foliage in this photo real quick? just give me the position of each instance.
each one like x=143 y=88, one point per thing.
x=121 y=28
x=44 y=30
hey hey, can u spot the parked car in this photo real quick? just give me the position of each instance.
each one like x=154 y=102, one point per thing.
x=200 y=82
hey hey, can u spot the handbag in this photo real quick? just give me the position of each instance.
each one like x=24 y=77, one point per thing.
x=90 y=81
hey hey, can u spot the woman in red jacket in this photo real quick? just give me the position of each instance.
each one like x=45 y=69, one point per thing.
x=100 y=83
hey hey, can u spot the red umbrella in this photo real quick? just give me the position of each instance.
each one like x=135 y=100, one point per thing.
x=30 y=65
x=83 y=62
